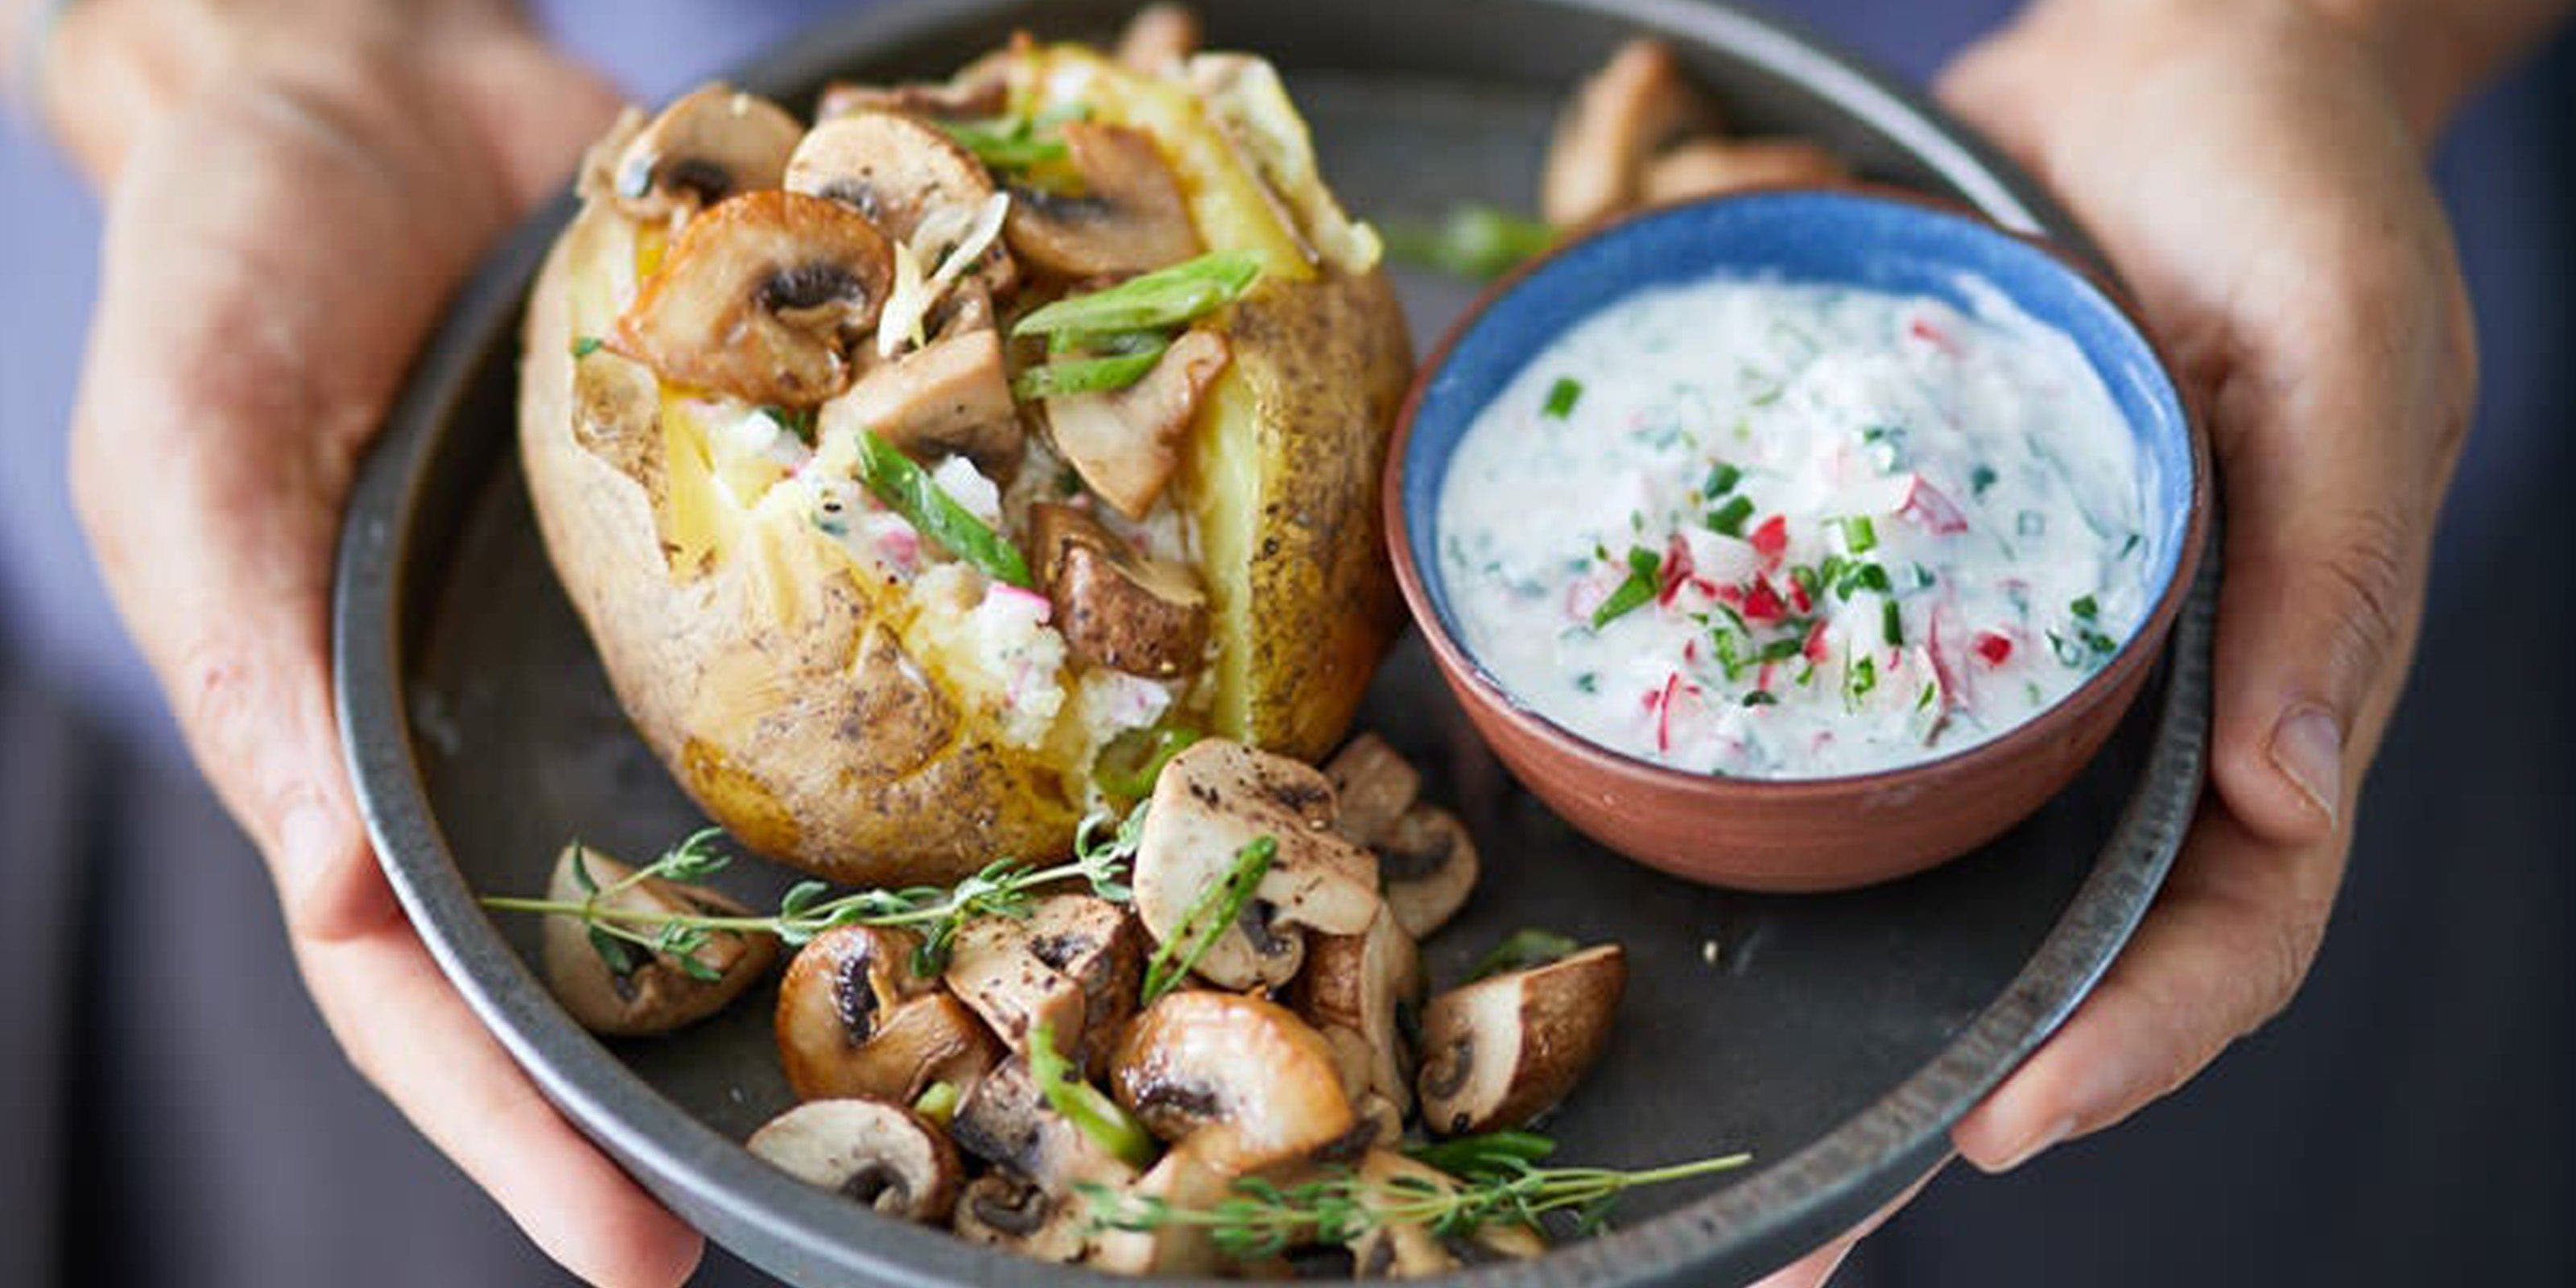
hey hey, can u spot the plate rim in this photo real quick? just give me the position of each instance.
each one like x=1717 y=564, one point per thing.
x=1748 y=1227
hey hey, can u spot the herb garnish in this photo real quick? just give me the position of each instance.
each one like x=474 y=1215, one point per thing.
x=1722 y=479
x=1473 y=241
x=908 y=490
x=1013 y=142
x=1002 y=888
x=1892 y=622
x=1209 y=917
x=1728 y=519
x=1522 y=949
x=1562 y=396
x=587 y=345
x=1645 y=577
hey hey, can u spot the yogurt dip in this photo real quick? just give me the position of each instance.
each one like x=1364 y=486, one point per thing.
x=1772 y=530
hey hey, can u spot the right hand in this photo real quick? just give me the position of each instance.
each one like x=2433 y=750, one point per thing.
x=293 y=189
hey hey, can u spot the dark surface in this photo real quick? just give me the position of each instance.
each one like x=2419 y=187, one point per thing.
x=1835 y=1037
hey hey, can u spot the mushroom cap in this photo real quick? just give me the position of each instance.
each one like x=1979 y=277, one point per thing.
x=1213 y=799
x=762 y=297
x=1373 y=785
x=1707 y=167
x=1500 y=1051
x=711 y=143
x=1427 y=866
x=899 y=170
x=854 y=1019
x=1125 y=443
x=878 y=1154
x=1072 y=963
x=980 y=88
x=1144 y=616
x=657 y=996
x=1006 y=1121
x=1356 y=985
x=1131 y=217
x=1004 y=1211
x=1241 y=1083
x=1184 y=1180
x=951 y=397
x=1639 y=103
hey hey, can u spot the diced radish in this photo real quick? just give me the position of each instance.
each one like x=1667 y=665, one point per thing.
x=1926 y=505
x=1993 y=648
x=1771 y=540
x=1006 y=597
x=1717 y=558
x=1798 y=597
x=1762 y=604
x=1676 y=569
x=1816 y=650
x=1923 y=329
x=1675 y=694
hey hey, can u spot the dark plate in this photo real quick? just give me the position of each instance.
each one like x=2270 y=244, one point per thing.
x=1836 y=1037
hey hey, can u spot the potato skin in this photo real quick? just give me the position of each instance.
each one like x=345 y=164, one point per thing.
x=773 y=687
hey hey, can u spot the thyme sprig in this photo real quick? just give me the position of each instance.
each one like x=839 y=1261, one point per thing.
x=1003 y=888
x=1501 y=1181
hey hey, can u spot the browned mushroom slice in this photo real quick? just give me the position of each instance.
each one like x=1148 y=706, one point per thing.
x=855 y=1020
x=1356 y=985
x=1637 y=105
x=905 y=175
x=873 y=1153
x=1373 y=785
x=1707 y=167
x=1212 y=800
x=981 y=88
x=709 y=144
x=1241 y=1083
x=1116 y=609
x=1003 y=1211
x=1070 y=964
x=1006 y=1121
x=1126 y=444
x=1500 y=1051
x=1397 y=1249
x=1180 y=1180
x=1130 y=217
x=761 y=297
x=657 y=995
x=1158 y=38
x=1426 y=865
x=950 y=397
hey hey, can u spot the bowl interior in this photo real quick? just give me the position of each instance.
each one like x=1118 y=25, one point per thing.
x=1822 y=237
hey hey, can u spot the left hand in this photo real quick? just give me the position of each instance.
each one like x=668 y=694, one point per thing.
x=2252 y=169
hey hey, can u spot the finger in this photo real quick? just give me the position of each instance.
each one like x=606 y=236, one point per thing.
x=1815 y=1268
x=2225 y=948
x=412 y=1035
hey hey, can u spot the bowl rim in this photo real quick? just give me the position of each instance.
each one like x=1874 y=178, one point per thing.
x=2139 y=651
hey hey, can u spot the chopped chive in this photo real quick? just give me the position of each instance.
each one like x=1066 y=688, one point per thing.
x=1722 y=479
x=1729 y=518
x=587 y=345
x=1781 y=650
x=1588 y=682
x=1979 y=479
x=1892 y=621
x=1807 y=582
x=1644 y=579
x=2085 y=607
x=2129 y=547
x=1761 y=698
x=1923 y=700
x=1859 y=533
x=1730 y=657
x=1562 y=396
x=1860 y=679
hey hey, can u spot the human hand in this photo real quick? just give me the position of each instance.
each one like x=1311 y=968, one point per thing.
x=293 y=189
x=2256 y=172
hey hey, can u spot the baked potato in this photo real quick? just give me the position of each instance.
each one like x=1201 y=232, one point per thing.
x=908 y=468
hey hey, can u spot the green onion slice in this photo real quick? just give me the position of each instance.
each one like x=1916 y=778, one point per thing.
x=1209 y=917
x=1166 y=297
x=1086 y=1106
x=908 y=490
x=1067 y=376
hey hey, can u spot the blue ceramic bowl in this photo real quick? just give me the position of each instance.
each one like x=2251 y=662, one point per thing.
x=1808 y=833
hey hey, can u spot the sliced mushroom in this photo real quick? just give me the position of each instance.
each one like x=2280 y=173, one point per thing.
x=1427 y=866
x=900 y=171
x=981 y=88
x=1502 y=1050
x=1358 y=985
x=855 y=1020
x=1004 y=1211
x=712 y=143
x=1393 y=1249
x=1116 y=609
x=1158 y=38
x=1126 y=443
x=1633 y=108
x=1072 y=964
x=1212 y=800
x=1006 y=1121
x=762 y=297
x=656 y=996
x=1130 y=217
x=1183 y=1180
x=1241 y=1083
x=1707 y=167
x=877 y=1154
x=1373 y=785
x=951 y=397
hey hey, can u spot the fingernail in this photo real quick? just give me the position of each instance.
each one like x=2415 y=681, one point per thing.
x=2049 y=1138
x=2307 y=747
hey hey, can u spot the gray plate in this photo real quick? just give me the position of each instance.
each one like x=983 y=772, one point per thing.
x=1835 y=1037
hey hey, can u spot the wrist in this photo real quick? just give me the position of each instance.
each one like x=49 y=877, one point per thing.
x=111 y=69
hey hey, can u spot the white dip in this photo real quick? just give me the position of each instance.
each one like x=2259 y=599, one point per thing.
x=1783 y=531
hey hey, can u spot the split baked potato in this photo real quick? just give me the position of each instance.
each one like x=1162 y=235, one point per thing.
x=910 y=469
